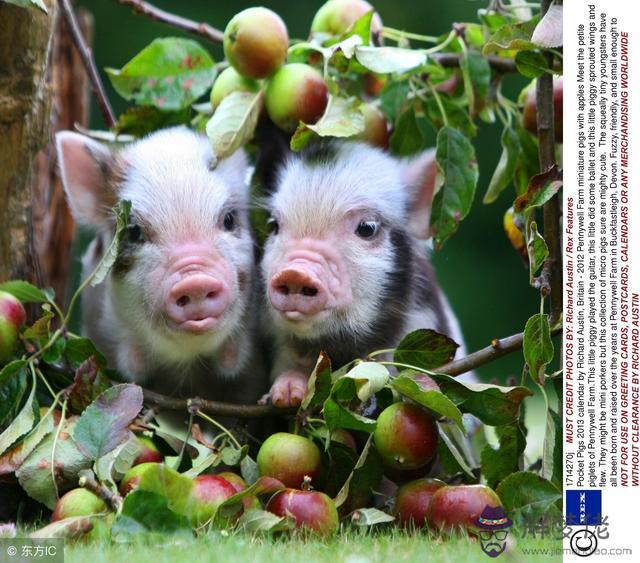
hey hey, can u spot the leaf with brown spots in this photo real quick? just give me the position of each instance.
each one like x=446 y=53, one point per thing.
x=542 y=187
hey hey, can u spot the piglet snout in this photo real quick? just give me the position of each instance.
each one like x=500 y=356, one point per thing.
x=296 y=290
x=196 y=301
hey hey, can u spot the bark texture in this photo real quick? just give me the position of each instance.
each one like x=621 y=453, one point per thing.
x=25 y=96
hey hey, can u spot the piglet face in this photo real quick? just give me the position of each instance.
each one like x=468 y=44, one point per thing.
x=335 y=244
x=181 y=280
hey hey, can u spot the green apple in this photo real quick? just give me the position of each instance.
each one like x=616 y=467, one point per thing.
x=337 y=16
x=289 y=458
x=230 y=81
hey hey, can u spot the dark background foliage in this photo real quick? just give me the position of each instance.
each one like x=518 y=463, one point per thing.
x=481 y=274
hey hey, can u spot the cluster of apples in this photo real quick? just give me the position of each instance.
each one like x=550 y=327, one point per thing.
x=255 y=44
x=12 y=319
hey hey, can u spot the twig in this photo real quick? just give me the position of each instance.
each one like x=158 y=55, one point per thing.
x=500 y=64
x=185 y=24
x=88 y=62
x=497 y=349
x=547 y=158
x=88 y=481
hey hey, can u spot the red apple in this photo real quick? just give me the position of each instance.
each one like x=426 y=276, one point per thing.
x=256 y=42
x=457 y=508
x=12 y=319
x=239 y=484
x=514 y=234
x=149 y=453
x=376 y=129
x=337 y=16
x=344 y=437
x=310 y=510
x=297 y=92
x=530 y=111
x=289 y=458
x=406 y=437
x=78 y=502
x=230 y=81
x=412 y=501
x=132 y=477
x=208 y=493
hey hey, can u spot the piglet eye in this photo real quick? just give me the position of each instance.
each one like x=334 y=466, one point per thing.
x=135 y=233
x=367 y=229
x=229 y=221
x=272 y=226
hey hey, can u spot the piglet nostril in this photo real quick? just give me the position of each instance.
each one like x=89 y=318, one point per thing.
x=309 y=291
x=212 y=295
x=284 y=289
x=182 y=301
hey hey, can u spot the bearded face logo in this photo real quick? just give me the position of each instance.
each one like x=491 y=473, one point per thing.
x=493 y=529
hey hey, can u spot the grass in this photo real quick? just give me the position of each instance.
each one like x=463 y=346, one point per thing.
x=386 y=547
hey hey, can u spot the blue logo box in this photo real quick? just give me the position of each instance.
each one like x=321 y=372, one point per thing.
x=583 y=507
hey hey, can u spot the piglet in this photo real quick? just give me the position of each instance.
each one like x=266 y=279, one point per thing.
x=345 y=268
x=175 y=313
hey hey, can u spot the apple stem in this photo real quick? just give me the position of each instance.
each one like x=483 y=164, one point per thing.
x=88 y=481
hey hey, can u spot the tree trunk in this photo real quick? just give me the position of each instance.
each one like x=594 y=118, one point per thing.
x=25 y=96
x=52 y=222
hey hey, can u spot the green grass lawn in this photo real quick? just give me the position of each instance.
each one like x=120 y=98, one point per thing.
x=385 y=547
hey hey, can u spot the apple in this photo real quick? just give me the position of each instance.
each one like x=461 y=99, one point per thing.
x=78 y=502
x=530 y=111
x=132 y=477
x=208 y=493
x=12 y=319
x=289 y=458
x=149 y=453
x=256 y=42
x=454 y=508
x=376 y=129
x=337 y=16
x=230 y=81
x=311 y=510
x=412 y=501
x=406 y=437
x=297 y=92
x=345 y=437
x=239 y=484
x=514 y=234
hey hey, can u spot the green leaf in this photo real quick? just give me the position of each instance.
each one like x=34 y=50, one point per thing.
x=255 y=520
x=476 y=74
x=39 y=330
x=435 y=401
x=537 y=346
x=104 y=425
x=338 y=416
x=12 y=459
x=112 y=466
x=366 y=475
x=110 y=256
x=35 y=474
x=449 y=452
x=393 y=97
x=385 y=60
x=492 y=404
x=319 y=384
x=527 y=494
x=457 y=115
x=79 y=350
x=532 y=64
x=174 y=487
x=407 y=138
x=552 y=454
x=425 y=348
x=13 y=386
x=458 y=176
x=87 y=384
x=511 y=37
x=29 y=4
x=142 y=120
x=370 y=517
x=498 y=463
x=369 y=378
x=22 y=423
x=536 y=250
x=169 y=73
x=25 y=292
x=503 y=174
x=147 y=514
x=263 y=486
x=234 y=122
x=249 y=470
x=542 y=187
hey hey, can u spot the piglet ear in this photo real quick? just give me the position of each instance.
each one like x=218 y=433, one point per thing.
x=420 y=177
x=84 y=164
x=236 y=171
